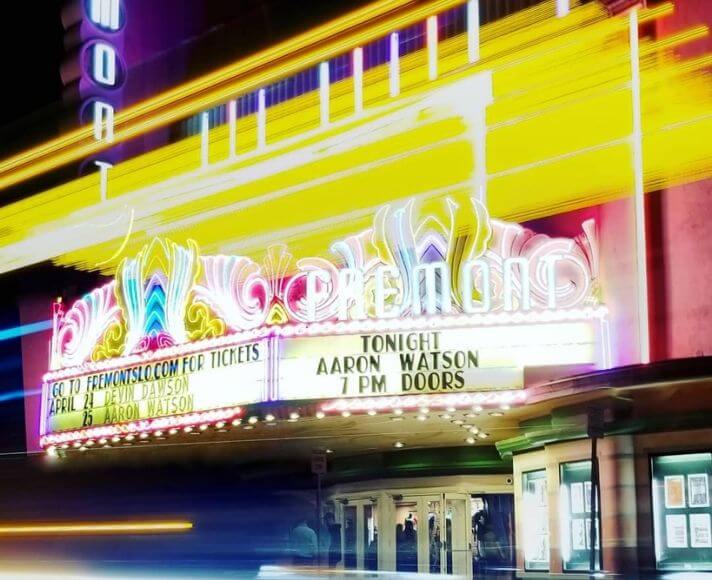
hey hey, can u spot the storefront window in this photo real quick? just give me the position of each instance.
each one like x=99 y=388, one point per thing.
x=681 y=511
x=577 y=516
x=535 y=505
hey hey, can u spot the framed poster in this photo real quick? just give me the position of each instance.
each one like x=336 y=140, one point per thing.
x=674 y=491
x=700 y=531
x=676 y=530
x=577 y=500
x=578 y=534
x=698 y=490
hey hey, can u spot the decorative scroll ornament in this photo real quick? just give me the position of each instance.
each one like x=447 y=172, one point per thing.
x=443 y=256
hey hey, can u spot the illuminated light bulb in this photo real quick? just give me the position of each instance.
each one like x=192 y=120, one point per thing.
x=320 y=414
x=372 y=412
x=115 y=439
x=236 y=422
x=65 y=446
x=89 y=443
x=158 y=433
x=130 y=437
x=252 y=420
x=328 y=451
x=82 y=448
x=483 y=435
x=173 y=431
x=470 y=440
x=294 y=416
x=398 y=411
x=474 y=430
x=203 y=427
x=220 y=425
x=76 y=444
x=398 y=444
x=269 y=417
x=144 y=436
x=187 y=429
x=52 y=451
x=346 y=413
x=248 y=427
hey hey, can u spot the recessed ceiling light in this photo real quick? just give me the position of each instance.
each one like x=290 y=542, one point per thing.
x=446 y=416
x=450 y=409
x=398 y=444
x=346 y=413
x=496 y=414
x=505 y=407
x=252 y=420
x=470 y=440
x=320 y=414
x=269 y=417
x=372 y=412
x=422 y=417
x=458 y=422
x=397 y=411
x=477 y=409
x=236 y=422
x=483 y=435
x=474 y=430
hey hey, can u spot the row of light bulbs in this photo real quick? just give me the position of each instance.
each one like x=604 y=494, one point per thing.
x=294 y=416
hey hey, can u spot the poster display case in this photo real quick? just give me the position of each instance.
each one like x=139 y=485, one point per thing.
x=536 y=520
x=577 y=516
x=682 y=516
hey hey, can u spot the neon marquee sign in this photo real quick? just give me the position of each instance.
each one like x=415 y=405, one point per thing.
x=424 y=301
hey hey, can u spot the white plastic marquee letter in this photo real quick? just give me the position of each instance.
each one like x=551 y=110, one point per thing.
x=351 y=291
x=431 y=291
x=467 y=284
x=382 y=292
x=103 y=122
x=508 y=267
x=104 y=69
x=105 y=13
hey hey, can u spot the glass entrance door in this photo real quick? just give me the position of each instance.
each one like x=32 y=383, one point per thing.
x=432 y=534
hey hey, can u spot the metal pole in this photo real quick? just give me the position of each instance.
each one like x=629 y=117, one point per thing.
x=595 y=513
x=318 y=519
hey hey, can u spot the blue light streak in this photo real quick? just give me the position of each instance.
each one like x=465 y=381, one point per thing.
x=25 y=329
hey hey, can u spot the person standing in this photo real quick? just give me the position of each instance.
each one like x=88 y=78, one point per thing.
x=303 y=544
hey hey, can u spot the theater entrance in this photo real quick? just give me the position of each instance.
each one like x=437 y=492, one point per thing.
x=431 y=533
x=409 y=532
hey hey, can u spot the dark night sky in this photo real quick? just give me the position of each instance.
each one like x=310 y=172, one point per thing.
x=32 y=51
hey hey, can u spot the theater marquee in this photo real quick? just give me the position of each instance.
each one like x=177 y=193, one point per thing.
x=448 y=301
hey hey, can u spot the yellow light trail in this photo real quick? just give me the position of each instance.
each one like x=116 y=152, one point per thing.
x=558 y=138
x=83 y=528
x=244 y=76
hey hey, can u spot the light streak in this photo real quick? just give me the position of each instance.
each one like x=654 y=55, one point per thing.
x=25 y=329
x=84 y=528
